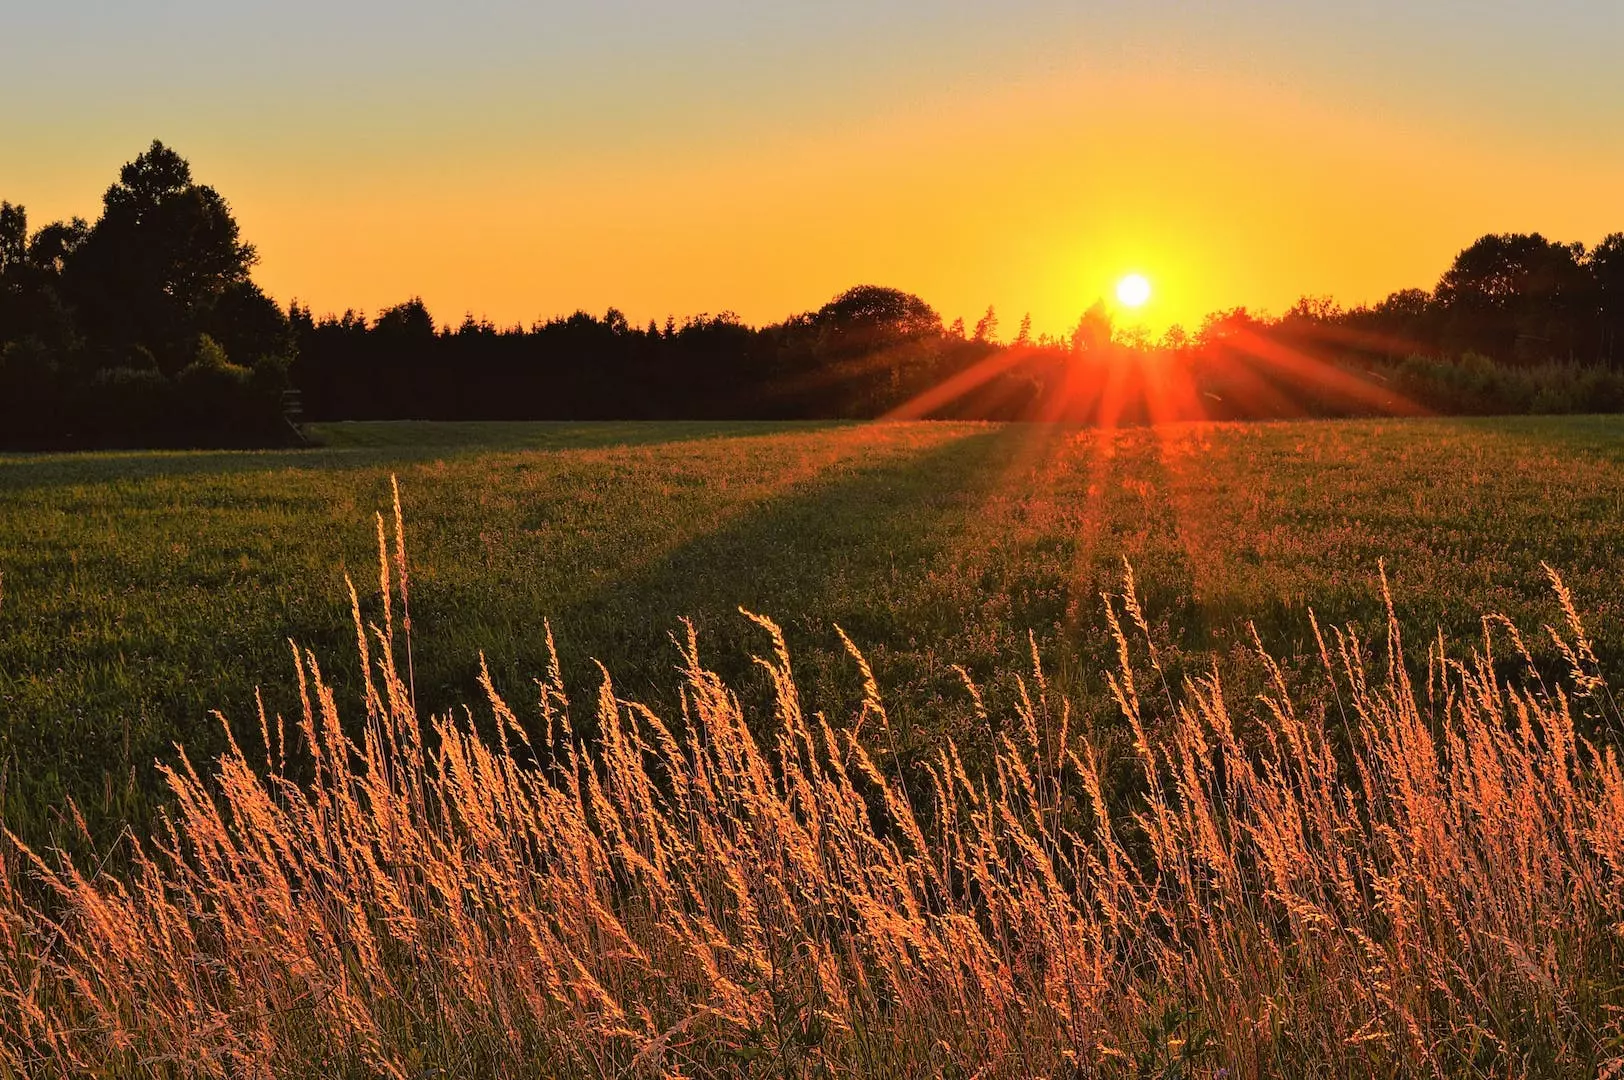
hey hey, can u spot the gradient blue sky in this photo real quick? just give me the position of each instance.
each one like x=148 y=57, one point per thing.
x=516 y=160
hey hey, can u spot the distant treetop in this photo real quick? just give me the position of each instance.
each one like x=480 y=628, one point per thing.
x=877 y=309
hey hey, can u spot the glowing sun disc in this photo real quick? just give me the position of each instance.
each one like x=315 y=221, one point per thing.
x=1133 y=291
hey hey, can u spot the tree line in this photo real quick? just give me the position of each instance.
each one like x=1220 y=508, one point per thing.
x=143 y=327
x=146 y=328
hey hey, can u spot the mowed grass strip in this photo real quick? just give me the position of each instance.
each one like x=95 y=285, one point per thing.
x=141 y=591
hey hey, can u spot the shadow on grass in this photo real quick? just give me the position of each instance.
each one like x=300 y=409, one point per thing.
x=368 y=445
x=854 y=550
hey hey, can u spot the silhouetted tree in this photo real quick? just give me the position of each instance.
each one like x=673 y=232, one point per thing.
x=1515 y=296
x=406 y=323
x=1606 y=265
x=248 y=325
x=144 y=328
x=872 y=313
x=987 y=326
x=14 y=301
x=1314 y=309
x=55 y=244
x=161 y=256
x=1093 y=331
x=1412 y=304
x=13 y=237
x=31 y=305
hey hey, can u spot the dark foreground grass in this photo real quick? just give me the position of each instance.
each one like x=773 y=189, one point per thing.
x=141 y=591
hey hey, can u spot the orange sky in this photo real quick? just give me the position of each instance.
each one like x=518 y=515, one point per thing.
x=1026 y=173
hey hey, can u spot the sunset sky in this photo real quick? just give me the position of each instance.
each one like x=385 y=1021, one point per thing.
x=517 y=160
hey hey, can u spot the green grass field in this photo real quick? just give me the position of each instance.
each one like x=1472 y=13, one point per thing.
x=142 y=590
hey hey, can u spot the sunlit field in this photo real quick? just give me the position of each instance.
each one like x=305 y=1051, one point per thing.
x=142 y=591
x=1046 y=767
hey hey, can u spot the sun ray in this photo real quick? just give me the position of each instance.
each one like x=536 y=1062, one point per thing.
x=958 y=385
x=1314 y=373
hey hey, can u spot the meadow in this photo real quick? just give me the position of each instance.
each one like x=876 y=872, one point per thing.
x=141 y=591
x=1161 y=752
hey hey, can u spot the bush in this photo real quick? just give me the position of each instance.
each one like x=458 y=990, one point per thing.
x=228 y=401
x=125 y=405
x=31 y=392
x=1475 y=384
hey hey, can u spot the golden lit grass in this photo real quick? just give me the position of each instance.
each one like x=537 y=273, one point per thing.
x=143 y=590
x=1415 y=871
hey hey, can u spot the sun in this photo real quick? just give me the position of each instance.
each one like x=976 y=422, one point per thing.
x=1133 y=291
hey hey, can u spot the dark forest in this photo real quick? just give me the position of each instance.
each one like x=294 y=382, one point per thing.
x=145 y=328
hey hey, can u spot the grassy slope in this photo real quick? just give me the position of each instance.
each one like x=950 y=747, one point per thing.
x=142 y=590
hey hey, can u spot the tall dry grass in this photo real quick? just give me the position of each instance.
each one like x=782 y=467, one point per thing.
x=1399 y=878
